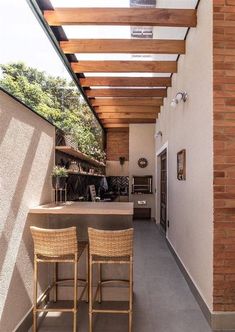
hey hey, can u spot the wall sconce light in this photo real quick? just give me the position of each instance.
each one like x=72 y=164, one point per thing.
x=179 y=96
x=122 y=160
x=159 y=133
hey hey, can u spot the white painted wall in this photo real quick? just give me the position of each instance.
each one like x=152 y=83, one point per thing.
x=189 y=126
x=142 y=145
x=27 y=157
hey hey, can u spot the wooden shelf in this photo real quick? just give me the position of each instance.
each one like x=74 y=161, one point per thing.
x=78 y=154
x=85 y=173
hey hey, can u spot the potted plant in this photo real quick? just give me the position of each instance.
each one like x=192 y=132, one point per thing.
x=59 y=176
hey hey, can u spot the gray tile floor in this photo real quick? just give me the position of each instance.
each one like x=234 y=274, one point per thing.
x=162 y=301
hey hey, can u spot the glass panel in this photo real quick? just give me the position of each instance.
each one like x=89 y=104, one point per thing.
x=126 y=57
x=122 y=3
x=90 y=3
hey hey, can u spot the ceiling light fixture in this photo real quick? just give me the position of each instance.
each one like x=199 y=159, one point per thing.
x=179 y=96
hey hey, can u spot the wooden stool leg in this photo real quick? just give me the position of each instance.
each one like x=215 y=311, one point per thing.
x=100 y=282
x=35 y=294
x=90 y=296
x=87 y=274
x=75 y=294
x=131 y=295
x=55 y=280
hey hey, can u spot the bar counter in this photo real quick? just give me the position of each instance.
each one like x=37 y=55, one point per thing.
x=101 y=215
x=81 y=208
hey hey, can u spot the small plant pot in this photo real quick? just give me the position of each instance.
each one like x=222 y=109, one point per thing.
x=59 y=182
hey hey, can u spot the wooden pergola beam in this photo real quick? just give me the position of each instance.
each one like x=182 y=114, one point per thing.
x=124 y=66
x=106 y=116
x=116 y=126
x=147 y=46
x=127 y=109
x=122 y=16
x=127 y=93
x=118 y=121
x=149 y=101
x=126 y=81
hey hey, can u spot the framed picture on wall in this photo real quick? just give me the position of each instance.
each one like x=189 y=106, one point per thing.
x=181 y=165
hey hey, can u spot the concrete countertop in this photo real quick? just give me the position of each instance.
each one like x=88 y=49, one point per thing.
x=85 y=208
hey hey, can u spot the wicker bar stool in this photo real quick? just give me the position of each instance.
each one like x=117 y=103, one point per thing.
x=109 y=247
x=57 y=246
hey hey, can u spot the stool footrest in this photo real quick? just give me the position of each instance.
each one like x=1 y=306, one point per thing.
x=111 y=311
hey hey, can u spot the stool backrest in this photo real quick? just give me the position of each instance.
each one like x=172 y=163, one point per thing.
x=111 y=243
x=54 y=242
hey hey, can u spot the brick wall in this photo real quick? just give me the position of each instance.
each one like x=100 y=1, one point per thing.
x=224 y=154
x=117 y=144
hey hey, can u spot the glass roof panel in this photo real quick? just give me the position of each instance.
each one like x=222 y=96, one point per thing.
x=129 y=57
x=90 y=3
x=122 y=3
x=97 y=31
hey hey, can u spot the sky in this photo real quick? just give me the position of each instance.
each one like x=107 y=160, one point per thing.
x=23 y=39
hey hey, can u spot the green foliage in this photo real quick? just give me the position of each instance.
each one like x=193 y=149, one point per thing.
x=57 y=100
x=59 y=171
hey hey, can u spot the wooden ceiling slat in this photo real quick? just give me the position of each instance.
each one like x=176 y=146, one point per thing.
x=124 y=66
x=126 y=93
x=131 y=115
x=122 y=16
x=117 y=121
x=126 y=102
x=127 y=109
x=126 y=81
x=117 y=125
x=147 y=46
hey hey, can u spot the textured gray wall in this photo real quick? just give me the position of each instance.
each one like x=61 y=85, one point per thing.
x=26 y=161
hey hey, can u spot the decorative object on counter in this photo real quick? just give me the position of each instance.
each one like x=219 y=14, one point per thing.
x=91 y=171
x=59 y=183
x=181 y=165
x=73 y=167
x=122 y=160
x=142 y=162
x=59 y=177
